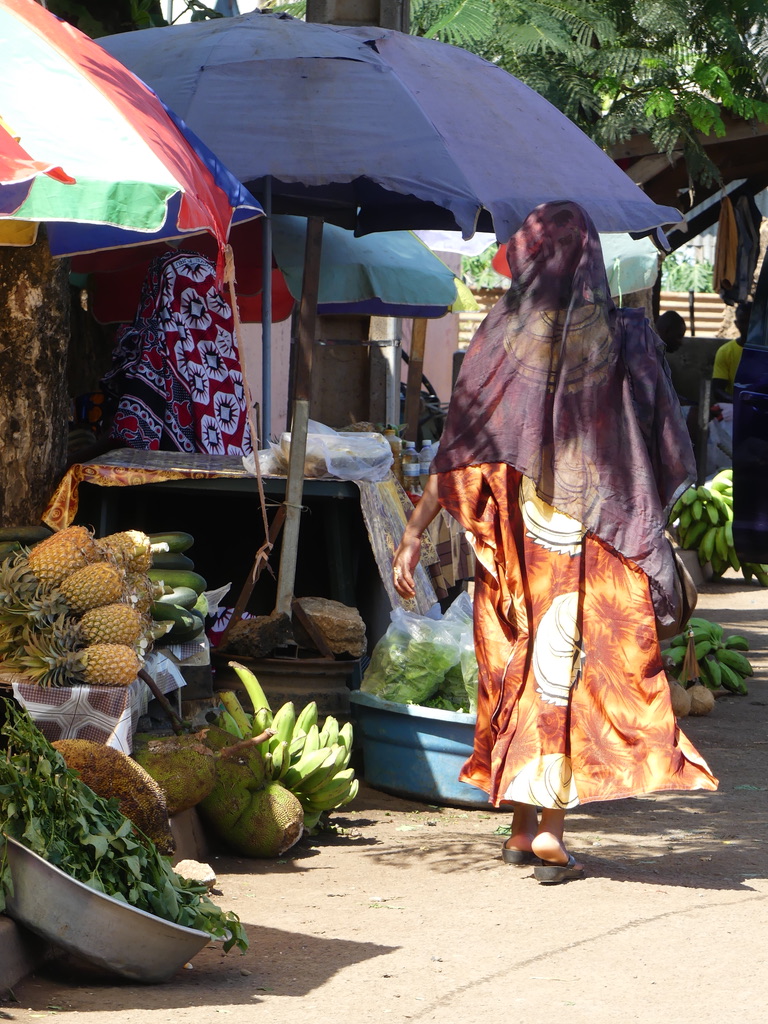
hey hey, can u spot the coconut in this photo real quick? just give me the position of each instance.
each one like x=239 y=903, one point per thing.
x=702 y=699
x=681 y=699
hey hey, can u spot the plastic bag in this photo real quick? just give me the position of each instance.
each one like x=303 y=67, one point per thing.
x=427 y=659
x=345 y=455
x=410 y=661
x=269 y=465
x=458 y=691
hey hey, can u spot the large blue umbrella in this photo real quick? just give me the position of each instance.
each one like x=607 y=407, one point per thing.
x=390 y=130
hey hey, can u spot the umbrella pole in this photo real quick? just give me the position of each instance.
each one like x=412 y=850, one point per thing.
x=413 y=386
x=294 y=487
x=266 y=313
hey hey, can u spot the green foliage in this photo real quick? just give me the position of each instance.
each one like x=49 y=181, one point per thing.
x=51 y=811
x=477 y=272
x=297 y=9
x=460 y=22
x=668 y=68
x=680 y=274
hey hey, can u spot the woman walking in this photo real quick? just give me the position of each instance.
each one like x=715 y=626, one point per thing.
x=563 y=451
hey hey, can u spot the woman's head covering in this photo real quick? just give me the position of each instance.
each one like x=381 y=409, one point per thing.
x=176 y=369
x=575 y=395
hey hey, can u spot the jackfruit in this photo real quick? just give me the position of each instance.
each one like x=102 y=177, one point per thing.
x=183 y=766
x=252 y=817
x=272 y=823
x=111 y=773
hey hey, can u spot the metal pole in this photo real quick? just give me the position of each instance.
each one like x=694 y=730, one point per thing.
x=266 y=313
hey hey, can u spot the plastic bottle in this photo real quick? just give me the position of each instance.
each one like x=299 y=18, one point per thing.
x=411 y=468
x=396 y=444
x=426 y=455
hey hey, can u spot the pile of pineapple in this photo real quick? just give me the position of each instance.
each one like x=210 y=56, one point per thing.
x=75 y=609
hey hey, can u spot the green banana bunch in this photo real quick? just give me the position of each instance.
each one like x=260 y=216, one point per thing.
x=721 y=661
x=703 y=518
x=759 y=572
x=310 y=760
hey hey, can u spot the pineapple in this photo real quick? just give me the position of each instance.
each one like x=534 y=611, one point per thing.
x=50 y=663
x=23 y=600
x=93 y=585
x=112 y=624
x=142 y=591
x=62 y=554
x=10 y=639
x=130 y=549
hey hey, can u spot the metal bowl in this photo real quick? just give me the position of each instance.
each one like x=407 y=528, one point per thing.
x=121 y=938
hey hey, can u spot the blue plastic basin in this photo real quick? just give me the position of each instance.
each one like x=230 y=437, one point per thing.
x=415 y=752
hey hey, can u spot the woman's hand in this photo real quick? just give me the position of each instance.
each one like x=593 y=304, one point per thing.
x=403 y=564
x=406 y=558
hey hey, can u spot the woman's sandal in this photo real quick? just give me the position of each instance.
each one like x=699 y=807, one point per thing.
x=548 y=873
x=518 y=857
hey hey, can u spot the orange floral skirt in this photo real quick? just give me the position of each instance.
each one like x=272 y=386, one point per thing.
x=573 y=703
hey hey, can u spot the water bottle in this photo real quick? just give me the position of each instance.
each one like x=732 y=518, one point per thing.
x=411 y=468
x=425 y=461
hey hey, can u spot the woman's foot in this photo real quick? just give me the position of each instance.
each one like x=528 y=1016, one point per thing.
x=557 y=864
x=517 y=849
x=554 y=874
x=549 y=847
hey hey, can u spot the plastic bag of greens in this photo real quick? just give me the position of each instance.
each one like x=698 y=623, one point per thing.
x=459 y=688
x=410 y=661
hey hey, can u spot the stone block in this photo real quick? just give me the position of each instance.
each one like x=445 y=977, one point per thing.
x=340 y=626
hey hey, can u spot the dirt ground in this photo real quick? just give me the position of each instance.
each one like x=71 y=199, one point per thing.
x=407 y=913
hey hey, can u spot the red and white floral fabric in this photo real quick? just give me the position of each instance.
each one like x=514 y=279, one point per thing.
x=176 y=370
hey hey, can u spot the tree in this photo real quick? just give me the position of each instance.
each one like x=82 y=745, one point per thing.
x=34 y=406
x=668 y=68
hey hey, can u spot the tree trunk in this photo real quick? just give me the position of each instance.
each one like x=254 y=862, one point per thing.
x=34 y=404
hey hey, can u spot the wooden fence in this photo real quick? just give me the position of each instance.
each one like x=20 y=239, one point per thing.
x=709 y=313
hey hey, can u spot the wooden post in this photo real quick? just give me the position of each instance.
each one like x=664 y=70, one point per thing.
x=413 y=387
x=294 y=487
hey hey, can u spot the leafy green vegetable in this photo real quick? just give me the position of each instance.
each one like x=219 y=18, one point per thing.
x=47 y=807
x=427 y=661
x=408 y=669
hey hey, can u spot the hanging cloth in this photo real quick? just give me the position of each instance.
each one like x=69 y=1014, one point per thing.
x=726 y=249
x=748 y=219
x=176 y=369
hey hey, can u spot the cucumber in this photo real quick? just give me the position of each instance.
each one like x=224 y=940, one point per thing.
x=179 y=578
x=186 y=625
x=8 y=548
x=171 y=560
x=201 y=606
x=185 y=597
x=25 y=534
x=177 y=540
x=180 y=635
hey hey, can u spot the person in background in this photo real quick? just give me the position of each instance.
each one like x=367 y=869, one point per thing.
x=563 y=451
x=728 y=356
x=670 y=327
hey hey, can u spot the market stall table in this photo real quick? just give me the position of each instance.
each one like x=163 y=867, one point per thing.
x=342 y=506
x=102 y=714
